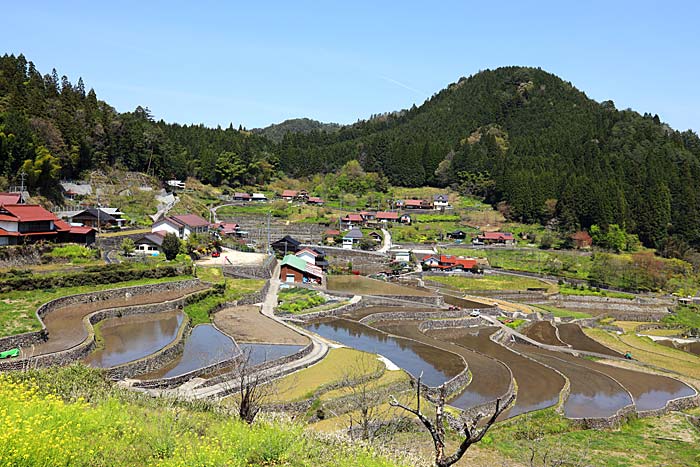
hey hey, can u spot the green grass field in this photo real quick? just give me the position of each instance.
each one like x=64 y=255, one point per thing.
x=562 y=313
x=567 y=290
x=490 y=282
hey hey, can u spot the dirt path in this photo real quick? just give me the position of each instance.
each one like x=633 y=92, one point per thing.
x=65 y=325
x=248 y=324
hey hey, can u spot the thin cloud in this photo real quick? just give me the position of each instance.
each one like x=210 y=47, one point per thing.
x=400 y=84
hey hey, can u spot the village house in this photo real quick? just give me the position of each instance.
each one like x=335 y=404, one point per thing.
x=581 y=240
x=289 y=195
x=405 y=219
x=351 y=220
x=387 y=216
x=440 y=202
x=457 y=235
x=330 y=235
x=401 y=256
x=296 y=270
x=315 y=200
x=351 y=238
x=494 y=238
x=228 y=229
x=259 y=197
x=313 y=256
x=241 y=197
x=448 y=263
x=182 y=225
x=27 y=223
x=11 y=198
x=149 y=244
x=286 y=245
x=376 y=236
x=417 y=204
x=95 y=217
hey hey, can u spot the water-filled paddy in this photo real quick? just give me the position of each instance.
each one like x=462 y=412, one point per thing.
x=205 y=346
x=260 y=353
x=544 y=333
x=538 y=386
x=133 y=337
x=436 y=365
x=593 y=394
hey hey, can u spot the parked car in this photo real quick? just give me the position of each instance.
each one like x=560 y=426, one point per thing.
x=475 y=313
x=215 y=254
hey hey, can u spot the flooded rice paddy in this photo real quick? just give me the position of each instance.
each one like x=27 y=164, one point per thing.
x=133 y=337
x=436 y=365
x=689 y=347
x=205 y=346
x=261 y=353
x=544 y=333
x=538 y=386
x=65 y=325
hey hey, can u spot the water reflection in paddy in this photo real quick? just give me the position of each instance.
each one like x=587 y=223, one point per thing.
x=205 y=346
x=436 y=365
x=260 y=353
x=133 y=337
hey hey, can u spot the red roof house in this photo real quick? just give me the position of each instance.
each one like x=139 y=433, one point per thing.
x=10 y=198
x=387 y=216
x=21 y=223
x=490 y=238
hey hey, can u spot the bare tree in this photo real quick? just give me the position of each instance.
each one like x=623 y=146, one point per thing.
x=436 y=428
x=364 y=400
x=251 y=392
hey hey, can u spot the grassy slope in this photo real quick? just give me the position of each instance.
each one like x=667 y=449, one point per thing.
x=489 y=282
x=17 y=308
x=46 y=425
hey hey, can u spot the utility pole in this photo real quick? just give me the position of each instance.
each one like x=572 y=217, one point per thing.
x=269 y=246
x=22 y=175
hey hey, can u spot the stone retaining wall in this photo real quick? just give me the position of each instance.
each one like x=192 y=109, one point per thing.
x=82 y=349
x=414 y=315
x=263 y=271
x=448 y=323
x=35 y=337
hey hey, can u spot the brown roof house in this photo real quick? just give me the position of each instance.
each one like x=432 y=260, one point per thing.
x=182 y=225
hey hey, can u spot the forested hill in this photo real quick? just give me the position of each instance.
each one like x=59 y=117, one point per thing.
x=522 y=138
x=52 y=128
x=525 y=137
x=276 y=131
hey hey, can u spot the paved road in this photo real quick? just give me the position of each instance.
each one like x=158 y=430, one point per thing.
x=386 y=243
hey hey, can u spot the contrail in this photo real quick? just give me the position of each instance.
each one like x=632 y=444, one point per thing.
x=399 y=83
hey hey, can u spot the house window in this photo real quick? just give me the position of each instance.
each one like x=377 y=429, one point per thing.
x=289 y=278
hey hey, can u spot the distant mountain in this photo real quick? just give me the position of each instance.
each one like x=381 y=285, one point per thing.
x=524 y=139
x=531 y=141
x=276 y=131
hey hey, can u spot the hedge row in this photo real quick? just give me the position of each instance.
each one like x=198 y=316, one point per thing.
x=91 y=276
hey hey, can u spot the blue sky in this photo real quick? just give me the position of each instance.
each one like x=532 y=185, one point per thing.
x=256 y=63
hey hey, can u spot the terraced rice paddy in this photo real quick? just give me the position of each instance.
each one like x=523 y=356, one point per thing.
x=365 y=286
x=490 y=378
x=65 y=325
x=436 y=365
x=538 y=386
x=134 y=337
x=544 y=333
x=205 y=346
x=572 y=334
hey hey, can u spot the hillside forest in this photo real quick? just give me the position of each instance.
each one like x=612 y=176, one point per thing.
x=524 y=140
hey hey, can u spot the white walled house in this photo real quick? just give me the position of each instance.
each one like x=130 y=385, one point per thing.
x=183 y=225
x=440 y=202
x=308 y=255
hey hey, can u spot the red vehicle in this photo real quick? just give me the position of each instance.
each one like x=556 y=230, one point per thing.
x=215 y=254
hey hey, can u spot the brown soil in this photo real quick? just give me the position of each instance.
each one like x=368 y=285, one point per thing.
x=247 y=324
x=65 y=325
x=538 y=386
x=490 y=378
x=544 y=333
x=573 y=335
x=365 y=286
